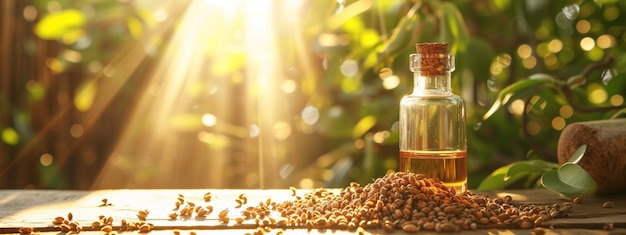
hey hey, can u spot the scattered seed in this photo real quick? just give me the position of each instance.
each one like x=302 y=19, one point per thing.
x=26 y=230
x=58 y=220
x=105 y=202
x=410 y=228
x=207 y=197
x=145 y=228
x=577 y=200
x=142 y=214
x=65 y=228
x=106 y=229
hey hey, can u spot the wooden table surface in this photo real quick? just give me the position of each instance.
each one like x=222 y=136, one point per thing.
x=38 y=208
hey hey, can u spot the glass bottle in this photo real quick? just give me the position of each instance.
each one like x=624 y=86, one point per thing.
x=432 y=120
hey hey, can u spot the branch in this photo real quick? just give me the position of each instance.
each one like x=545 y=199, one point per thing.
x=533 y=144
x=605 y=63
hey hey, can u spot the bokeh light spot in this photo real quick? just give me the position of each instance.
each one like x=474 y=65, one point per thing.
x=605 y=41
x=529 y=62
x=349 y=68
x=289 y=86
x=533 y=127
x=254 y=131
x=516 y=107
x=359 y=144
x=46 y=159
x=77 y=130
x=385 y=73
x=282 y=130
x=617 y=100
x=10 y=136
x=524 y=51
x=597 y=94
x=558 y=123
x=381 y=136
x=306 y=183
x=583 y=26
x=30 y=13
x=555 y=46
x=391 y=82
x=209 y=119
x=587 y=43
x=566 y=111
x=611 y=13
x=310 y=115
x=551 y=61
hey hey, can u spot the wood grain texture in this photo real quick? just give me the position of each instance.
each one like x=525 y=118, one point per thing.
x=37 y=209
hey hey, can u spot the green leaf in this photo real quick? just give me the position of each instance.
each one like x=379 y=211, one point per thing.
x=574 y=175
x=570 y=180
x=479 y=65
x=550 y=180
x=10 y=136
x=504 y=96
x=578 y=155
x=85 y=96
x=453 y=26
x=349 y=12
x=363 y=126
x=525 y=168
x=402 y=34
x=56 y=25
x=496 y=181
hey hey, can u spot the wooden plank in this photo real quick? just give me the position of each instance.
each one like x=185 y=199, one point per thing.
x=37 y=208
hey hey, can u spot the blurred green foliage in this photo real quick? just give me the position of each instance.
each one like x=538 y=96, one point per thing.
x=518 y=64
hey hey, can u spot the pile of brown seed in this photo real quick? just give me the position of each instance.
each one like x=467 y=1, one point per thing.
x=399 y=200
x=406 y=201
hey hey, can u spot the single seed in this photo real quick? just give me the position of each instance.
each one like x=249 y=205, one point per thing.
x=106 y=229
x=360 y=231
x=578 y=199
x=410 y=228
x=26 y=230
x=58 y=220
x=73 y=225
x=538 y=231
x=223 y=213
x=293 y=190
x=608 y=204
x=525 y=225
x=95 y=224
x=145 y=228
x=608 y=226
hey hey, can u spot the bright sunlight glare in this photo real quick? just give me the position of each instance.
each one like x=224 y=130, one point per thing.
x=206 y=38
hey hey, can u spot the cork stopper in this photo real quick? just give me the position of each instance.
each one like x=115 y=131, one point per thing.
x=435 y=49
x=432 y=59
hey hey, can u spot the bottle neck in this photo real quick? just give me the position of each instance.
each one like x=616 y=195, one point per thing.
x=437 y=84
x=431 y=73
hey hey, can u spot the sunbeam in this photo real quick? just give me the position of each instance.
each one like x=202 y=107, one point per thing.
x=190 y=96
